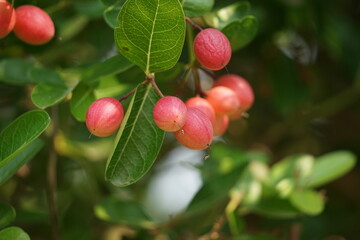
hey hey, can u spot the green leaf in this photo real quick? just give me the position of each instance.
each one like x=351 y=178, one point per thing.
x=7 y=214
x=45 y=95
x=123 y=212
x=241 y=32
x=138 y=141
x=216 y=189
x=13 y=233
x=276 y=207
x=111 y=66
x=307 y=201
x=15 y=71
x=223 y=16
x=331 y=166
x=193 y=8
x=82 y=97
x=21 y=132
x=256 y=237
x=10 y=168
x=45 y=76
x=151 y=33
x=111 y=13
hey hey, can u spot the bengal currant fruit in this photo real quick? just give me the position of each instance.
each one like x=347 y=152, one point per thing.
x=223 y=100
x=197 y=132
x=203 y=105
x=170 y=113
x=33 y=25
x=104 y=116
x=241 y=87
x=212 y=49
x=221 y=124
x=7 y=18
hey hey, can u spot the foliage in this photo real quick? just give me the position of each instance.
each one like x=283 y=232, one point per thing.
x=261 y=180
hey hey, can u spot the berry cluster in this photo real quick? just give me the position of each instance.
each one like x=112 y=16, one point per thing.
x=195 y=122
x=29 y=23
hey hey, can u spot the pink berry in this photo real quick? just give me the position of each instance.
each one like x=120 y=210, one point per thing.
x=104 y=116
x=221 y=124
x=223 y=100
x=212 y=49
x=170 y=113
x=197 y=132
x=203 y=105
x=33 y=25
x=7 y=18
x=240 y=86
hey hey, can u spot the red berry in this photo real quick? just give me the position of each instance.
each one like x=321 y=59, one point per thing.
x=33 y=25
x=221 y=124
x=212 y=49
x=240 y=86
x=104 y=116
x=197 y=132
x=7 y=18
x=203 y=105
x=223 y=100
x=170 y=113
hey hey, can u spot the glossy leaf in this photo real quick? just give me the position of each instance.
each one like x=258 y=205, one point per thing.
x=241 y=32
x=123 y=212
x=193 y=8
x=111 y=66
x=21 y=132
x=7 y=214
x=138 y=141
x=331 y=166
x=45 y=95
x=307 y=201
x=82 y=97
x=216 y=189
x=151 y=33
x=13 y=233
x=10 y=168
x=219 y=18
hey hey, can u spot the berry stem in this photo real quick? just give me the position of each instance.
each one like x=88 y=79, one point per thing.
x=193 y=24
x=12 y=3
x=190 y=42
x=52 y=177
x=150 y=78
x=127 y=95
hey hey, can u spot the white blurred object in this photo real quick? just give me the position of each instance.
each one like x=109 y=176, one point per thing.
x=206 y=81
x=295 y=47
x=174 y=185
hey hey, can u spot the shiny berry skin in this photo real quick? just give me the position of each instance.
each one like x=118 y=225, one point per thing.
x=33 y=25
x=212 y=49
x=104 y=116
x=170 y=113
x=223 y=100
x=7 y=18
x=221 y=124
x=240 y=86
x=197 y=132
x=203 y=105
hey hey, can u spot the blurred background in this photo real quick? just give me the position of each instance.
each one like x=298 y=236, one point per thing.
x=304 y=67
